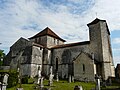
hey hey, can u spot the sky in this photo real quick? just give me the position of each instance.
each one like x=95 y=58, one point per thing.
x=67 y=18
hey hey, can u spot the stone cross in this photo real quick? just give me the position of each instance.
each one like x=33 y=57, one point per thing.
x=97 y=78
x=51 y=77
x=4 y=84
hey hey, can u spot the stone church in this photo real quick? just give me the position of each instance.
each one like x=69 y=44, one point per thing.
x=81 y=59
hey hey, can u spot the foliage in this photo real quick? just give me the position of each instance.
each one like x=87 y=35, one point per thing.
x=64 y=85
x=2 y=55
x=25 y=80
x=13 y=78
x=61 y=85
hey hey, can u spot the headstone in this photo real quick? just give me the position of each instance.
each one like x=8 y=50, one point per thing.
x=0 y=86
x=20 y=89
x=51 y=77
x=4 y=84
x=41 y=82
x=57 y=77
x=78 y=88
x=103 y=83
x=97 y=78
x=5 y=79
x=73 y=79
x=40 y=79
x=39 y=75
x=69 y=78
x=19 y=79
x=110 y=81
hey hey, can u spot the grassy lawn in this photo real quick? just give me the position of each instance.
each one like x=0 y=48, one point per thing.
x=115 y=86
x=61 y=85
x=64 y=85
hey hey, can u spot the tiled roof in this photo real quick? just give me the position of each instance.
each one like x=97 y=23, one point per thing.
x=96 y=21
x=47 y=31
x=71 y=44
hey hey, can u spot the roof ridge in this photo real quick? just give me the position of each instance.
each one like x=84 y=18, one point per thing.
x=47 y=31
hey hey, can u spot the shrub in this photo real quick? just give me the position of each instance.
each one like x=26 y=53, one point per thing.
x=13 y=79
x=25 y=80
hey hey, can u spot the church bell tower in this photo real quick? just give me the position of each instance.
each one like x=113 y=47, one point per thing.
x=101 y=47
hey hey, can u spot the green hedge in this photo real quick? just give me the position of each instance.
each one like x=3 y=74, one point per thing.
x=25 y=79
x=13 y=79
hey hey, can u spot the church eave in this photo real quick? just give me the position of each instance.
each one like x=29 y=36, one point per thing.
x=71 y=44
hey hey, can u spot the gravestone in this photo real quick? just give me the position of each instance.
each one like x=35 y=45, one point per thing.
x=41 y=82
x=20 y=89
x=39 y=75
x=78 y=88
x=109 y=81
x=0 y=82
x=0 y=86
x=73 y=79
x=97 y=78
x=57 y=77
x=19 y=79
x=40 y=79
x=51 y=77
x=4 y=84
x=69 y=78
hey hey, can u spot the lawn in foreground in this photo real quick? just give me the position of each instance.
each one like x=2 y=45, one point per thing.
x=64 y=85
x=61 y=85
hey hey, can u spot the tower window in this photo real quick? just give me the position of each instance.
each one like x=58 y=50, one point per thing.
x=35 y=40
x=40 y=48
x=83 y=68
x=57 y=41
x=54 y=40
x=56 y=64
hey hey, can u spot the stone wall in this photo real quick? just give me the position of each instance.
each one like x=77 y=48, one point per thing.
x=65 y=58
x=4 y=67
x=37 y=55
x=53 y=41
x=100 y=45
x=46 y=61
x=29 y=69
x=84 y=69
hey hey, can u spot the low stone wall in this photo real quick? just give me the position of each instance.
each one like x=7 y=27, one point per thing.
x=4 y=67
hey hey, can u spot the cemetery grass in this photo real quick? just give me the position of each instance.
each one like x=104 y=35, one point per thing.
x=64 y=85
x=61 y=85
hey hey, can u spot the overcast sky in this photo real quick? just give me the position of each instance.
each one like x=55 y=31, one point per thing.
x=67 y=18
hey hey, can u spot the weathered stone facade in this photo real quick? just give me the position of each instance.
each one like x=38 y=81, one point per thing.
x=82 y=59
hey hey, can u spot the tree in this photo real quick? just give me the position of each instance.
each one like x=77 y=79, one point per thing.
x=2 y=55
